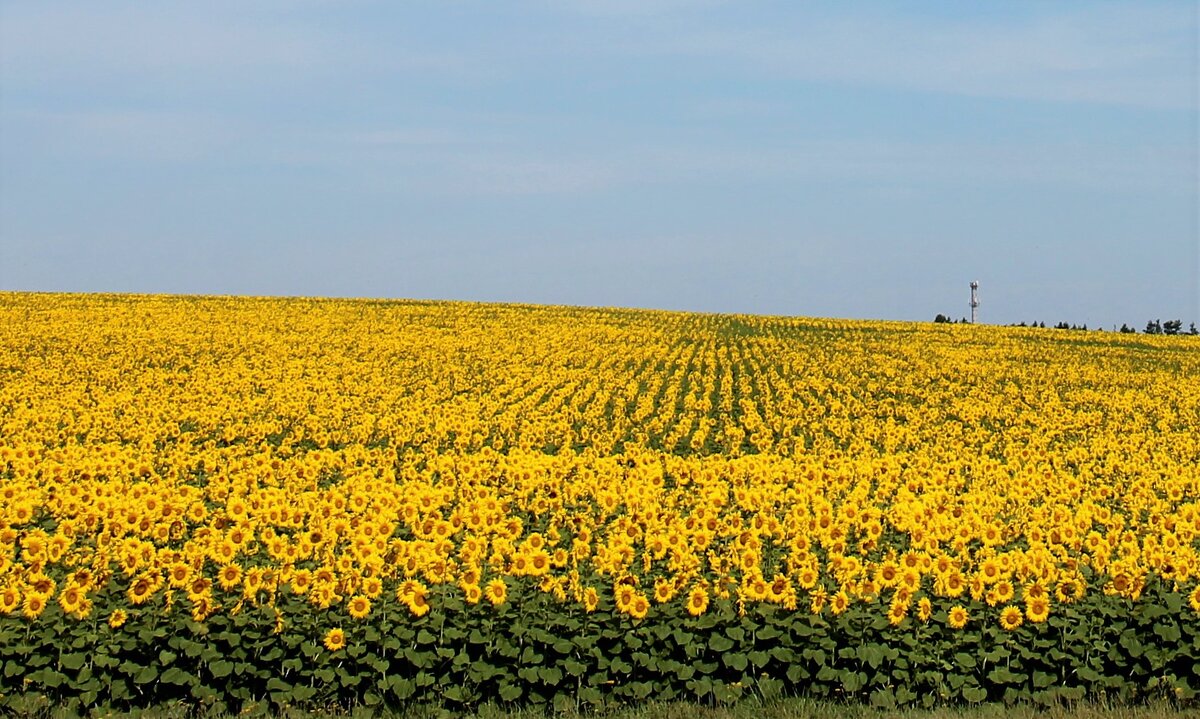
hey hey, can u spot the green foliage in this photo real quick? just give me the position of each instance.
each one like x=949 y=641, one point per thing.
x=534 y=651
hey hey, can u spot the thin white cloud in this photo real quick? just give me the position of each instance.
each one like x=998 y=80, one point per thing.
x=883 y=168
x=490 y=174
x=227 y=42
x=404 y=137
x=128 y=135
x=627 y=8
x=1124 y=55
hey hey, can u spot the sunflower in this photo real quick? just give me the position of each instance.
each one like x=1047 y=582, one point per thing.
x=924 y=609
x=472 y=593
x=496 y=591
x=697 y=602
x=953 y=584
x=41 y=585
x=539 y=563
x=229 y=576
x=179 y=575
x=624 y=595
x=372 y=587
x=84 y=609
x=71 y=598
x=1011 y=618
x=335 y=639
x=639 y=607
x=1004 y=591
x=590 y=599
x=117 y=618
x=33 y=606
x=10 y=600
x=663 y=591
x=417 y=604
x=202 y=606
x=897 y=612
x=141 y=590
x=359 y=606
x=1194 y=598
x=1070 y=590
x=301 y=581
x=1037 y=609
x=839 y=602
x=779 y=589
x=957 y=618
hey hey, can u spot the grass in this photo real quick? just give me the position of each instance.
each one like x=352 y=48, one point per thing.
x=793 y=708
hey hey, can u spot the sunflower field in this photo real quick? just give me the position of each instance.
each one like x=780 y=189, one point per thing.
x=299 y=501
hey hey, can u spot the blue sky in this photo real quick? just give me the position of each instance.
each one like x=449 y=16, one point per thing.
x=838 y=159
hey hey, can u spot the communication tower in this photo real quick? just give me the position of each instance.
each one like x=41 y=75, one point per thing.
x=974 y=300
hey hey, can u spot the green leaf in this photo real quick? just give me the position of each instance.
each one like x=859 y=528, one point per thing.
x=275 y=684
x=1168 y=631
x=401 y=687
x=591 y=695
x=767 y=633
x=872 y=654
x=974 y=694
x=222 y=669
x=1002 y=675
x=146 y=675
x=510 y=692
x=719 y=643
x=853 y=681
x=883 y=698
x=735 y=661
x=1041 y=680
x=797 y=673
x=178 y=677
x=759 y=658
x=73 y=661
x=641 y=690
x=770 y=688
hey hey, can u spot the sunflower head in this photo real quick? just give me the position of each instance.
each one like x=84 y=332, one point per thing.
x=359 y=606
x=957 y=618
x=1011 y=618
x=335 y=639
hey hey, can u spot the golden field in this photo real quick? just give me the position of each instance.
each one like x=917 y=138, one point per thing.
x=204 y=455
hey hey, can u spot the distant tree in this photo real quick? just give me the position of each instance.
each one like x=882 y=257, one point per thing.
x=941 y=319
x=1042 y=325
x=1192 y=329
x=1153 y=327
x=1126 y=329
x=1062 y=326
x=1172 y=327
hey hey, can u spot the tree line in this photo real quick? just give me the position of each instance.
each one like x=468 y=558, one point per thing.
x=1153 y=327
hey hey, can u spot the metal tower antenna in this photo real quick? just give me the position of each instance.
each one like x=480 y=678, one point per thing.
x=974 y=300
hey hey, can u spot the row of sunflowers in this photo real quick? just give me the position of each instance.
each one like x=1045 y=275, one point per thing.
x=326 y=476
